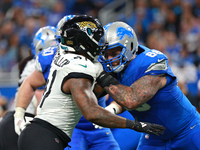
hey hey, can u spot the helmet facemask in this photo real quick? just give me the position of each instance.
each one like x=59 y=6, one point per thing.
x=123 y=59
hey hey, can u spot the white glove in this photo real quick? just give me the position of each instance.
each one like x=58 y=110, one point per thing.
x=112 y=108
x=20 y=122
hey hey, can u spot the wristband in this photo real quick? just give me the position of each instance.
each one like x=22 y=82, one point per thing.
x=105 y=79
x=113 y=108
x=19 y=112
x=130 y=124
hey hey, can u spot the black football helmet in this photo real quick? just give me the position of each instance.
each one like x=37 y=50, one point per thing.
x=82 y=32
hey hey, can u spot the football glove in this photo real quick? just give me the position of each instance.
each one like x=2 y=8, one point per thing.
x=20 y=121
x=148 y=128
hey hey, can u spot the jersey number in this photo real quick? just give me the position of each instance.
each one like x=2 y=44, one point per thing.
x=48 y=51
x=153 y=53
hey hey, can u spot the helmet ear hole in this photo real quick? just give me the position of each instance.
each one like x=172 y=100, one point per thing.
x=131 y=46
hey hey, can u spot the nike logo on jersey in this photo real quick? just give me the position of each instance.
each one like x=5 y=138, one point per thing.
x=159 y=60
x=193 y=127
x=85 y=66
x=108 y=133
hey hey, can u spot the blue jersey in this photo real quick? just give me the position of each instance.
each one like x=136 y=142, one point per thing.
x=44 y=60
x=169 y=107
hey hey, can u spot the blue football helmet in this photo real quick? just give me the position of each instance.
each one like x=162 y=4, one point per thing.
x=118 y=34
x=45 y=37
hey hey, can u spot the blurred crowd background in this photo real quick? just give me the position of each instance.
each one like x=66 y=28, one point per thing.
x=171 y=26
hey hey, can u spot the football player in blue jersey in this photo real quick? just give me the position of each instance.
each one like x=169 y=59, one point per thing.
x=8 y=136
x=35 y=81
x=148 y=89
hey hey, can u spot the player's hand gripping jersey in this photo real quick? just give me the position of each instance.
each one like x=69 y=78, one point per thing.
x=29 y=68
x=55 y=104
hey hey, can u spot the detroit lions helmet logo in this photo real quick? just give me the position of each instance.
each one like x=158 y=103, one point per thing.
x=41 y=38
x=122 y=32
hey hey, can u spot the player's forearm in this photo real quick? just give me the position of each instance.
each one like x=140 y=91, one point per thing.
x=123 y=95
x=134 y=96
x=28 y=87
x=104 y=118
x=25 y=95
x=138 y=93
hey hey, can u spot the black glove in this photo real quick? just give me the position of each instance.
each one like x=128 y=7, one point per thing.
x=105 y=79
x=146 y=127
